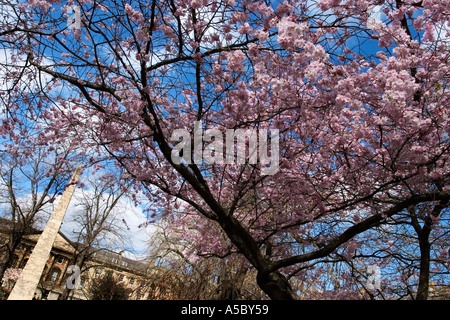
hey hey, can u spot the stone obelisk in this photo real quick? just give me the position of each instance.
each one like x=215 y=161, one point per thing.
x=31 y=274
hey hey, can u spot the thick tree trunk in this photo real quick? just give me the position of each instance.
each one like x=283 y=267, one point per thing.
x=424 y=277
x=425 y=247
x=276 y=286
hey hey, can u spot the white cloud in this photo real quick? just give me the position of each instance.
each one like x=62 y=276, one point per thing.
x=127 y=217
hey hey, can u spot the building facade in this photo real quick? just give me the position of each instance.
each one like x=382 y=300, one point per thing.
x=58 y=273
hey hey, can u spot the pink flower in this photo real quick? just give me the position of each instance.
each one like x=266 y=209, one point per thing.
x=328 y=4
x=134 y=15
x=196 y=4
x=193 y=44
x=290 y=34
x=261 y=35
x=217 y=69
x=429 y=33
x=11 y=274
x=245 y=28
x=235 y=59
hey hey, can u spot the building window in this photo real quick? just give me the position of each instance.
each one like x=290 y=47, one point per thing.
x=121 y=277
x=98 y=272
x=54 y=275
x=132 y=281
x=60 y=259
x=24 y=262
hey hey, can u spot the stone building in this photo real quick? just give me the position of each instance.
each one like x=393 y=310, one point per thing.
x=138 y=276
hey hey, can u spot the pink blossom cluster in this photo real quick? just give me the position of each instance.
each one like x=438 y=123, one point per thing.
x=11 y=274
x=235 y=60
x=292 y=35
x=134 y=15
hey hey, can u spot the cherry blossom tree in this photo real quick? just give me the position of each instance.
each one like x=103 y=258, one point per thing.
x=11 y=275
x=9 y=279
x=358 y=91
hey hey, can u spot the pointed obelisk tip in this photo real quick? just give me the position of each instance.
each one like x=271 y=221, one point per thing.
x=76 y=175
